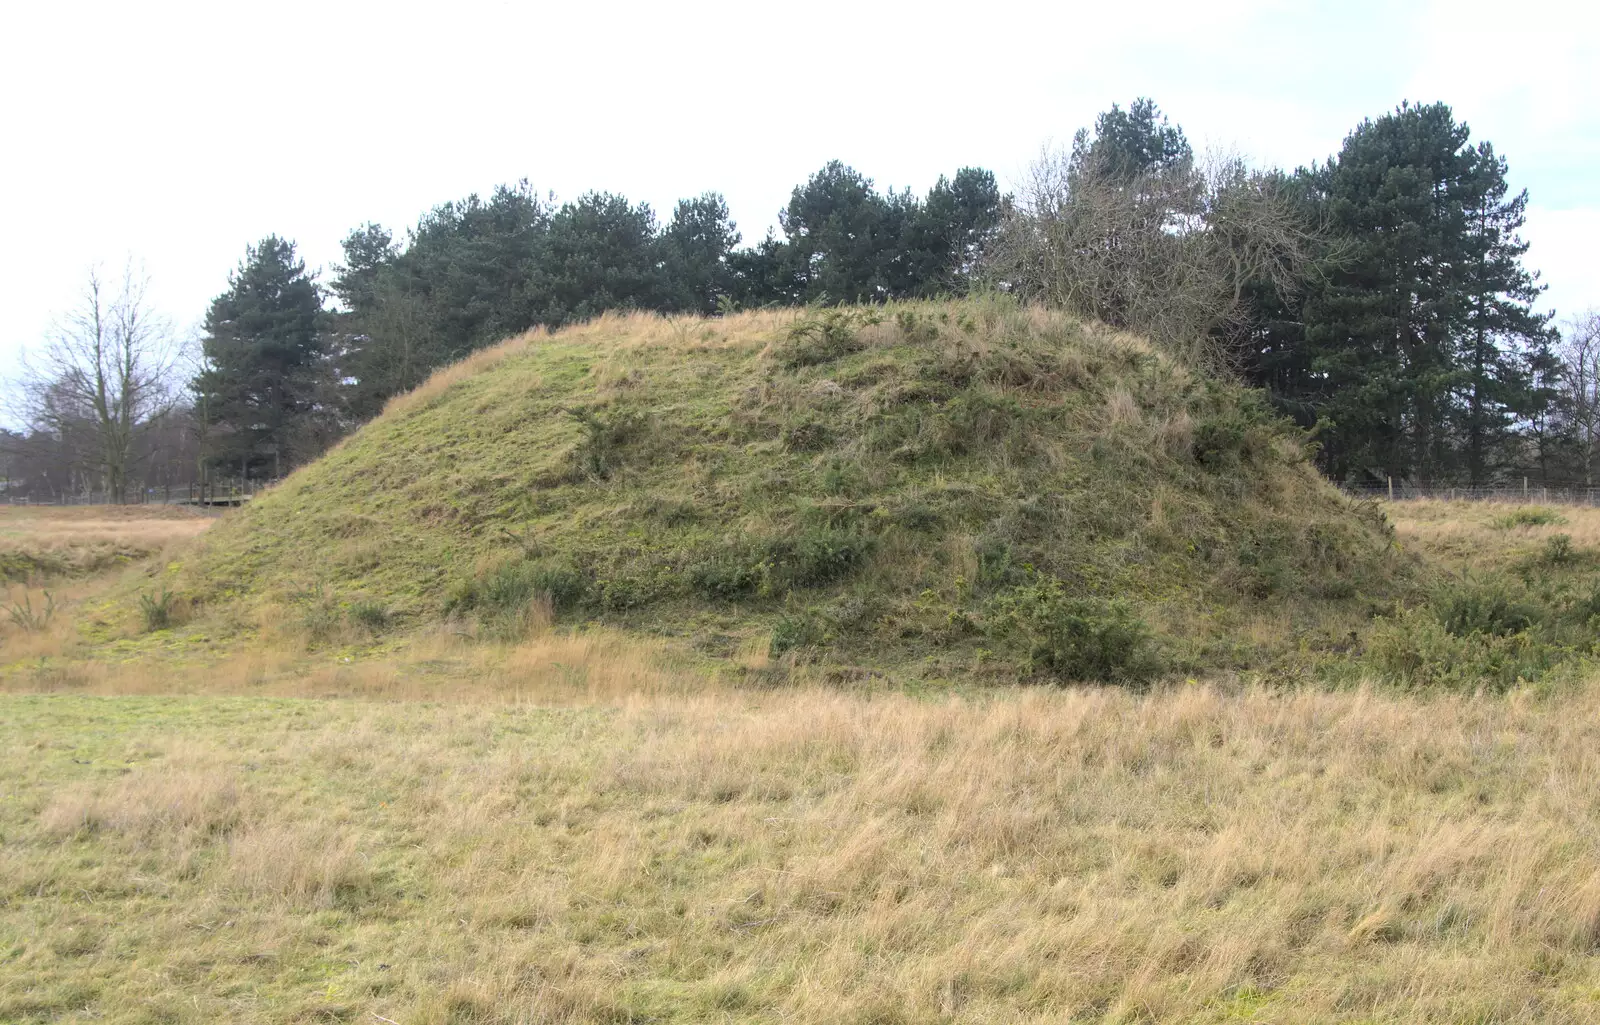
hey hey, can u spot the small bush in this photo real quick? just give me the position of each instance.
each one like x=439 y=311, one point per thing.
x=1415 y=649
x=157 y=610
x=1469 y=608
x=804 y=630
x=1528 y=516
x=369 y=615
x=321 y=619
x=513 y=585
x=759 y=567
x=915 y=327
x=1265 y=558
x=996 y=568
x=1233 y=434
x=731 y=575
x=808 y=434
x=503 y=598
x=599 y=454
x=914 y=515
x=27 y=619
x=814 y=557
x=1558 y=550
x=1075 y=638
x=822 y=336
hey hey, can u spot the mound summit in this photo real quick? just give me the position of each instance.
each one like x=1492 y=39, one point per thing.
x=936 y=490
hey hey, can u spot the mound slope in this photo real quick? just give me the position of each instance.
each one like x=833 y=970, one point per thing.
x=937 y=489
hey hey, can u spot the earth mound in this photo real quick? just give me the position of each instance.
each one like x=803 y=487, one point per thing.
x=931 y=491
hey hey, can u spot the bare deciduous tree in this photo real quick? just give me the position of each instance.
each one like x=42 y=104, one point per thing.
x=1580 y=381
x=1169 y=252
x=105 y=374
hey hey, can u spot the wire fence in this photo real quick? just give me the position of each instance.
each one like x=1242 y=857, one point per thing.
x=213 y=493
x=1518 y=493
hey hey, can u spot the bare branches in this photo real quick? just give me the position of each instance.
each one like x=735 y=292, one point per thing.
x=104 y=375
x=1580 y=379
x=1170 y=252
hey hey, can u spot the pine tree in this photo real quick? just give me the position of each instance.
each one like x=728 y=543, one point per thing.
x=1507 y=350
x=944 y=236
x=600 y=255
x=1420 y=328
x=842 y=236
x=1127 y=144
x=695 y=249
x=264 y=383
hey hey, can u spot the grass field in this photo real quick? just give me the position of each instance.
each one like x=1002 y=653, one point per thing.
x=592 y=829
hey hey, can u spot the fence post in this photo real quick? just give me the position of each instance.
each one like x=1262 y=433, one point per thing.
x=1524 y=489
x=1391 y=489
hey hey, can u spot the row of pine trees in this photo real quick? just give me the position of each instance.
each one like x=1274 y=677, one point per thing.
x=1392 y=313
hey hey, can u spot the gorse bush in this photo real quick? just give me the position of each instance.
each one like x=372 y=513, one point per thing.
x=765 y=566
x=1075 y=638
x=794 y=631
x=1489 y=633
x=321 y=618
x=157 y=610
x=1529 y=516
x=824 y=335
x=369 y=615
x=23 y=615
x=1416 y=649
x=1558 y=550
x=502 y=598
x=1467 y=608
x=599 y=453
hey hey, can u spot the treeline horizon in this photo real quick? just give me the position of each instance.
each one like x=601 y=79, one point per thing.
x=1379 y=298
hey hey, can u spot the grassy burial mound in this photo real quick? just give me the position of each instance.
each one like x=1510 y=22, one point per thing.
x=931 y=490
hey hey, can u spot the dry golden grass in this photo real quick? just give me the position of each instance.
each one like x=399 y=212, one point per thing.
x=589 y=831
x=145 y=527
x=810 y=856
x=1486 y=534
x=53 y=559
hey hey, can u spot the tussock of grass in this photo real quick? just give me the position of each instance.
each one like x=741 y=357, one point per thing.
x=802 y=856
x=872 y=490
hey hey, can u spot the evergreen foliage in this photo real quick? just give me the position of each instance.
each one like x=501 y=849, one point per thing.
x=263 y=387
x=477 y=270
x=1380 y=298
x=1416 y=340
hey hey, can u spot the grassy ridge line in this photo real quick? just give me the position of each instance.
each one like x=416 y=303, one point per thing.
x=939 y=490
x=1089 y=855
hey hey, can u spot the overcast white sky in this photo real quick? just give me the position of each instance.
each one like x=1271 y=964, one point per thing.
x=178 y=133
